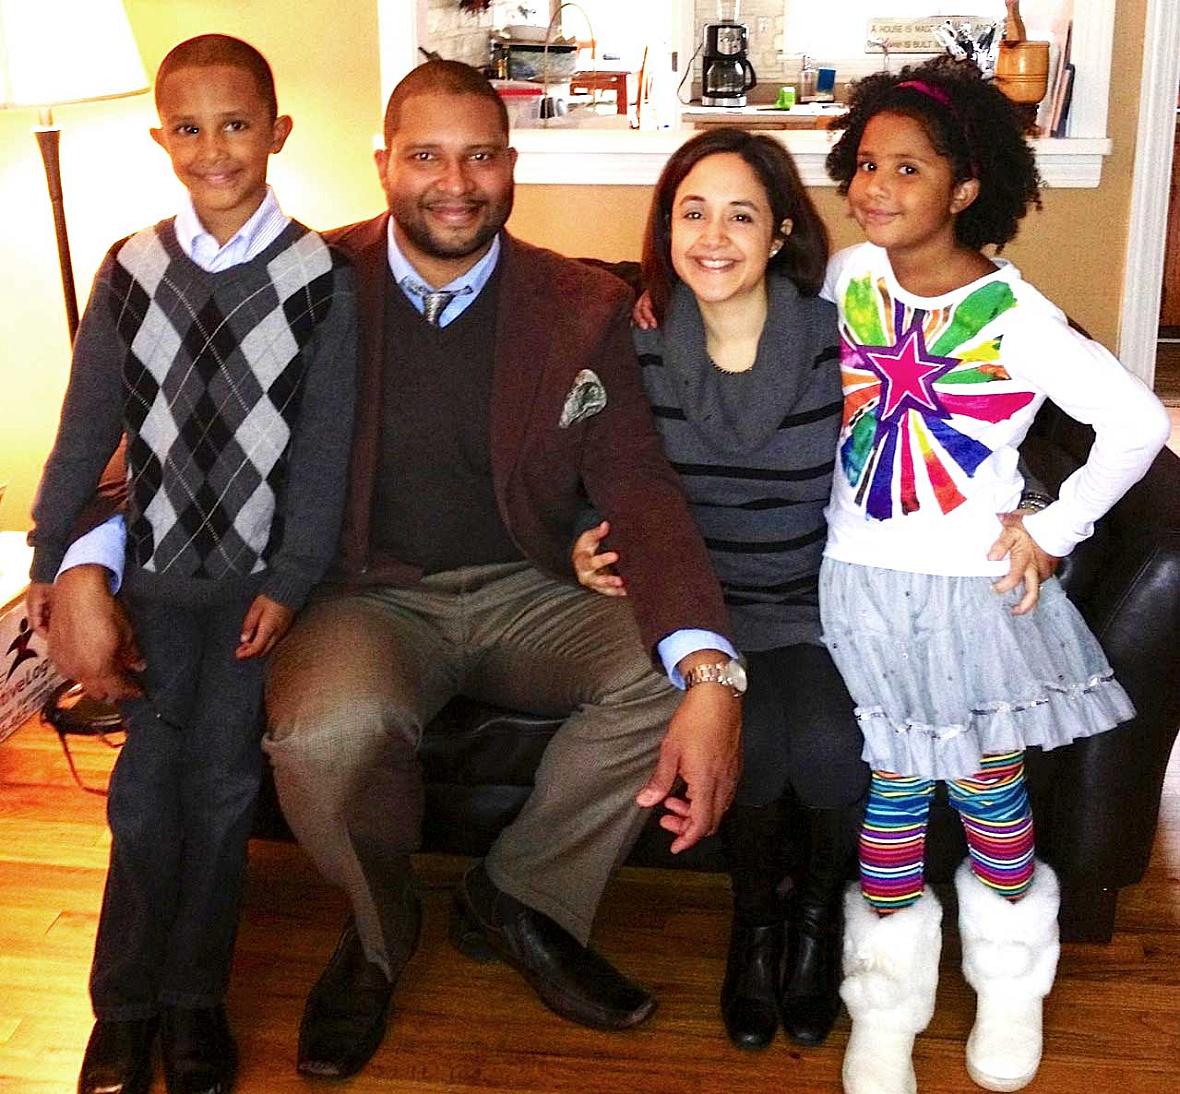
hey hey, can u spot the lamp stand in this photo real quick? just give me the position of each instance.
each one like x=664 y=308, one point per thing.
x=48 y=139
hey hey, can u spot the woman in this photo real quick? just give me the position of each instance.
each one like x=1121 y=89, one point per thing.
x=743 y=377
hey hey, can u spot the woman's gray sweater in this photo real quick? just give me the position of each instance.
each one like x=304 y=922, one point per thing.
x=755 y=451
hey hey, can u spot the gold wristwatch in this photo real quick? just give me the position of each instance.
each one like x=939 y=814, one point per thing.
x=731 y=673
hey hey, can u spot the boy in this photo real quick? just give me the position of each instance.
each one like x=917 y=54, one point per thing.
x=221 y=343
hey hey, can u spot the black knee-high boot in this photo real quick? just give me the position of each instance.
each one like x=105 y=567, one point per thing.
x=815 y=928
x=752 y=838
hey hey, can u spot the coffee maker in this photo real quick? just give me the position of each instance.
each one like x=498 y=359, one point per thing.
x=728 y=74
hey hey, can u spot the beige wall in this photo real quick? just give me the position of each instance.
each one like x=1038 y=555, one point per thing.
x=116 y=180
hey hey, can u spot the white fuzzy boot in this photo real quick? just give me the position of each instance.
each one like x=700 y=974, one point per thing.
x=1010 y=958
x=890 y=978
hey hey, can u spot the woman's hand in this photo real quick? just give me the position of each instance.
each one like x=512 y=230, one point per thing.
x=594 y=569
x=642 y=315
x=1027 y=562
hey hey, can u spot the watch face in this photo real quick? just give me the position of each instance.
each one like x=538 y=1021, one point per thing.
x=737 y=676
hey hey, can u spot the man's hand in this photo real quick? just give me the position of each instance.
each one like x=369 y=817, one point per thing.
x=38 y=606
x=1027 y=562
x=90 y=637
x=702 y=747
x=596 y=571
x=265 y=623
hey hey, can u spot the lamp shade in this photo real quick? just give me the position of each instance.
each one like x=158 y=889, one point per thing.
x=66 y=51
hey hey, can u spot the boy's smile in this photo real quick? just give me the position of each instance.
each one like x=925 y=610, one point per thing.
x=218 y=131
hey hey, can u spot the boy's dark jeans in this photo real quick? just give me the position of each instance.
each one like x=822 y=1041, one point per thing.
x=181 y=801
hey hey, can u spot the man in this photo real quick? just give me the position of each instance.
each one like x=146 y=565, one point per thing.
x=497 y=383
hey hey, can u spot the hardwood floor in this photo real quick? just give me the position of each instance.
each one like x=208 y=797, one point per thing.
x=1112 y=1023
x=1167 y=373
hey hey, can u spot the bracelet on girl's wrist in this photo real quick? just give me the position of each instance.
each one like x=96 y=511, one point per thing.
x=1033 y=501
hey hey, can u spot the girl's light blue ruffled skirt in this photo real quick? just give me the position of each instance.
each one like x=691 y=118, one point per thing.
x=942 y=672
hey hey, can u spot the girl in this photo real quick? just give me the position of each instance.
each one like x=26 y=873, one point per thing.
x=947 y=355
x=743 y=380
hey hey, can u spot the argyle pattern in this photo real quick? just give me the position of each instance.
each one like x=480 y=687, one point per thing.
x=213 y=378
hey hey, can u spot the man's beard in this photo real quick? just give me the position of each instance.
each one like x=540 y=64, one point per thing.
x=418 y=232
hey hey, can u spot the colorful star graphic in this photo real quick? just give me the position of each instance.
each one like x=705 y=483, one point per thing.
x=908 y=374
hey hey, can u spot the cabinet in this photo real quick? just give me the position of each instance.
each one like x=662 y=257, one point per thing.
x=1170 y=300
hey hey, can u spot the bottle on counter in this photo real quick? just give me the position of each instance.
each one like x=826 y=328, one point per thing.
x=497 y=68
x=808 y=80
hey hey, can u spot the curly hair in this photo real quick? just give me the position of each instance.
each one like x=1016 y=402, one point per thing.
x=803 y=256
x=970 y=123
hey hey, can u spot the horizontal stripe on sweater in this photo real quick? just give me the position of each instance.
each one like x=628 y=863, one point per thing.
x=805 y=417
x=778 y=546
x=762 y=474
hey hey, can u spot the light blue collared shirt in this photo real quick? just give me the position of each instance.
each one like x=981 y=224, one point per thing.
x=265 y=225
x=475 y=279
x=106 y=544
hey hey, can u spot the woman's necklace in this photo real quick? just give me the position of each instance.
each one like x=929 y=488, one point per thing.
x=738 y=336
x=739 y=360
x=731 y=371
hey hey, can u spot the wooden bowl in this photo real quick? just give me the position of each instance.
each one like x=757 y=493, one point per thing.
x=1022 y=71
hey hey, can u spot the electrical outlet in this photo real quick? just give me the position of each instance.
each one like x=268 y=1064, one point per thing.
x=763 y=24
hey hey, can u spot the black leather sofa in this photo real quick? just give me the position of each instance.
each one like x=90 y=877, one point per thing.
x=1096 y=802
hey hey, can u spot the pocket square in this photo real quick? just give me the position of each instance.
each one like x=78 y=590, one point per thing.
x=586 y=398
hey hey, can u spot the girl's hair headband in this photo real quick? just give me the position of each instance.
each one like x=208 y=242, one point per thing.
x=943 y=99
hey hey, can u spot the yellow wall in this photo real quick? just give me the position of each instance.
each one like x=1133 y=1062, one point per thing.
x=117 y=180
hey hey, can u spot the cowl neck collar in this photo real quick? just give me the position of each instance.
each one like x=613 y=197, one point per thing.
x=737 y=411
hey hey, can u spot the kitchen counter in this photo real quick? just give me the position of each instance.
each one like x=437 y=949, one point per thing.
x=762 y=116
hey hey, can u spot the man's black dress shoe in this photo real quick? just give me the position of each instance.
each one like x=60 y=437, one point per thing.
x=346 y=1013
x=571 y=979
x=118 y=1058
x=200 y=1056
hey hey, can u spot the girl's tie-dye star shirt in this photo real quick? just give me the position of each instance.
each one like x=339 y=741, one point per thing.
x=939 y=393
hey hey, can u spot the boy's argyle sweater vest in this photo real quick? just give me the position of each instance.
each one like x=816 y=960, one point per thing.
x=212 y=378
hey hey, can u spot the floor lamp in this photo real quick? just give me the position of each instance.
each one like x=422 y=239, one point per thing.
x=65 y=51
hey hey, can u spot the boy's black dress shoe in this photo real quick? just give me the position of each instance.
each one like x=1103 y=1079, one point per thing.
x=347 y=1011
x=200 y=1056
x=571 y=979
x=118 y=1058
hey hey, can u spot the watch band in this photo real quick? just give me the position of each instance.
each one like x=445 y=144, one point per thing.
x=715 y=672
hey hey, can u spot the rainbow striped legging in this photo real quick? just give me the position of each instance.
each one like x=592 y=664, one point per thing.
x=993 y=807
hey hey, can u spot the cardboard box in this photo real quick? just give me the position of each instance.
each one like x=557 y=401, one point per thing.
x=26 y=674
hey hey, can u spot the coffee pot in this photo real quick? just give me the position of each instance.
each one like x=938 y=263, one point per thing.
x=728 y=74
